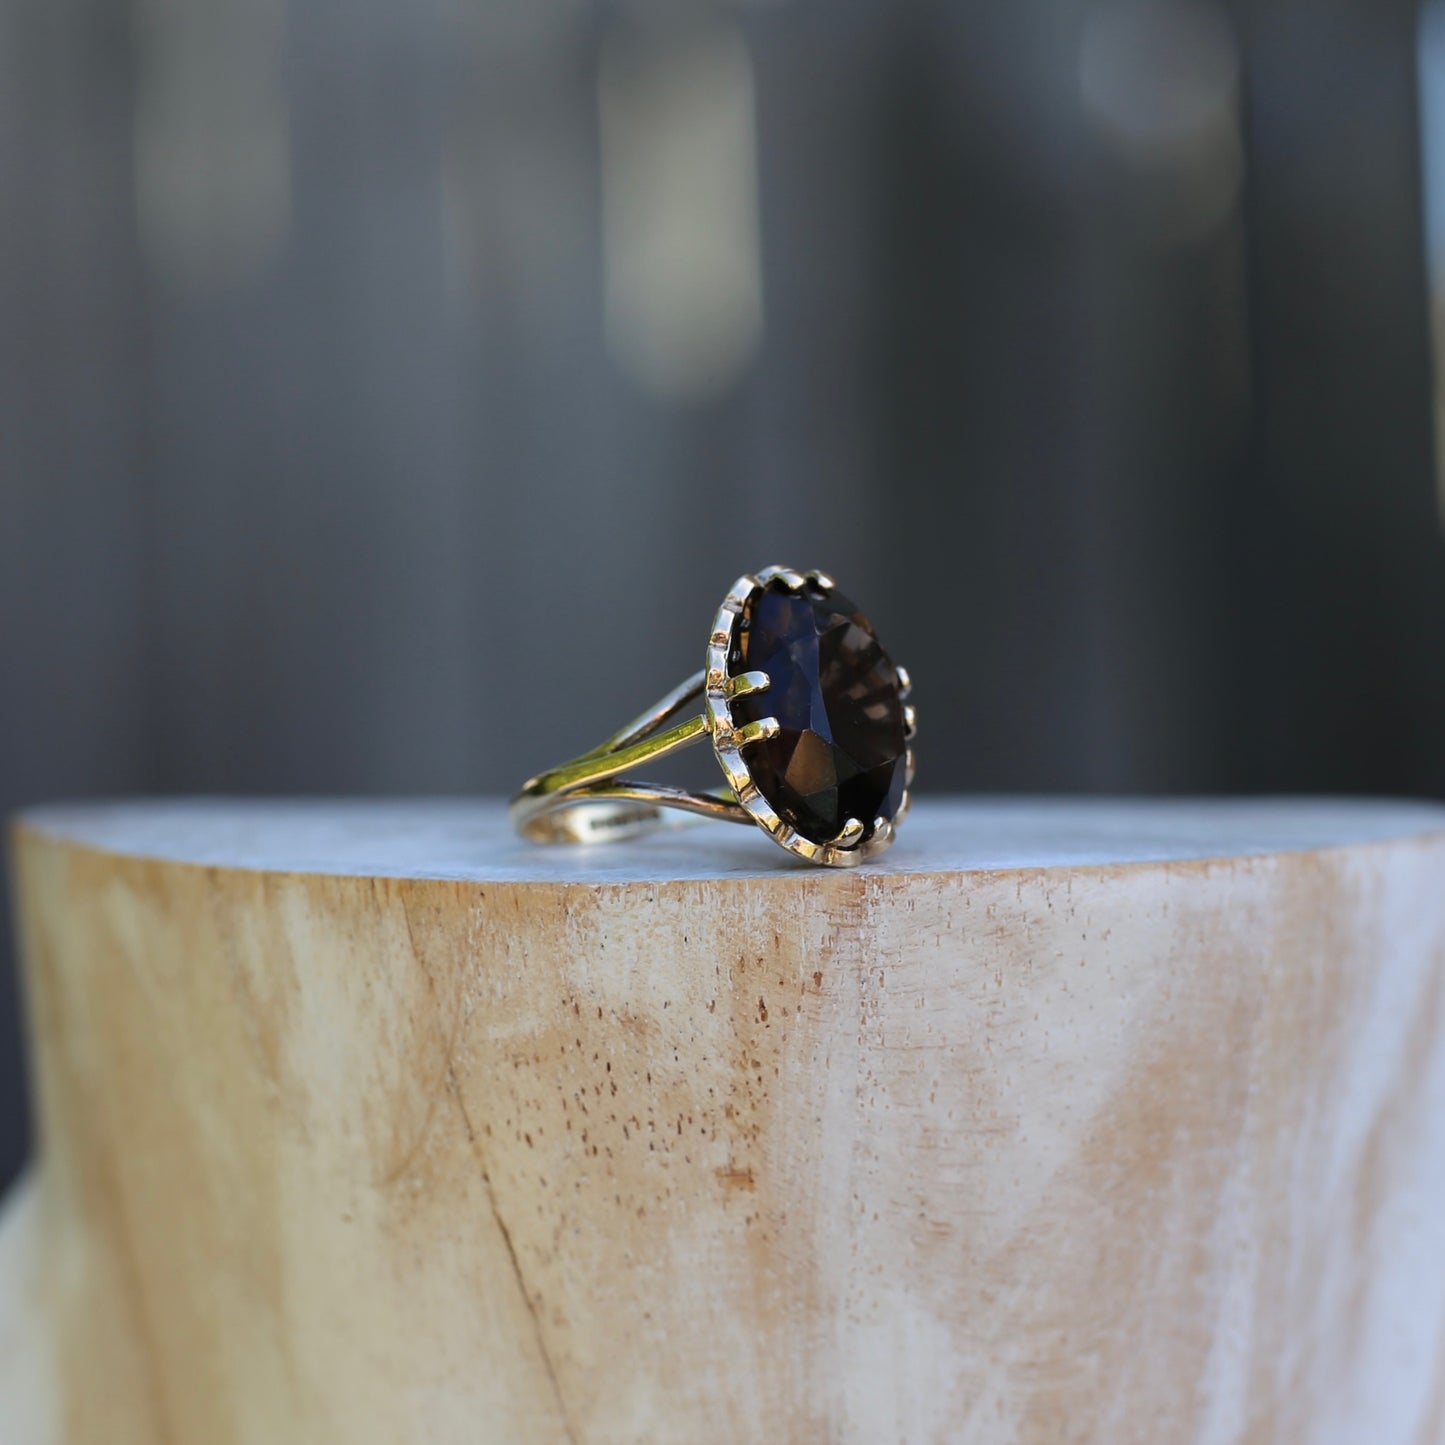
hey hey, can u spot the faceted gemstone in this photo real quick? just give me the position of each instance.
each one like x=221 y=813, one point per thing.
x=840 y=753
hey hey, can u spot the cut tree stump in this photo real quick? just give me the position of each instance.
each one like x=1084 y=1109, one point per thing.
x=364 y=1122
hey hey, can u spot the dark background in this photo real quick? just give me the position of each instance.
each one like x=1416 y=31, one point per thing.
x=351 y=352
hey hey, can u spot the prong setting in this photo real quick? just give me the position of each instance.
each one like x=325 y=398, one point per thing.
x=856 y=842
x=746 y=683
x=757 y=732
x=910 y=720
x=905 y=682
x=793 y=581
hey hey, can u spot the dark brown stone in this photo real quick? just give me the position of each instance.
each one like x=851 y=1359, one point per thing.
x=841 y=751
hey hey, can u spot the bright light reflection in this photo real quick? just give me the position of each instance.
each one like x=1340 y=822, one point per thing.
x=212 y=140
x=684 y=305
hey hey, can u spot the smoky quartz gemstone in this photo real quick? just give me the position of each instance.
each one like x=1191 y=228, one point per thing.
x=840 y=751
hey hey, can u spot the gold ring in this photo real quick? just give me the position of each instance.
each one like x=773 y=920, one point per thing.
x=807 y=716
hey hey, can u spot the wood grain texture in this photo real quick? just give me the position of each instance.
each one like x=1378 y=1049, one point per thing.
x=1142 y=1140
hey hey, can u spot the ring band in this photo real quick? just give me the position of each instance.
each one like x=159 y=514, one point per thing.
x=807 y=716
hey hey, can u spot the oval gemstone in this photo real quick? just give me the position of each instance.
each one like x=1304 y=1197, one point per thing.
x=840 y=752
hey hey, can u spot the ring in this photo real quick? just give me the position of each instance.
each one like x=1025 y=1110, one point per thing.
x=807 y=716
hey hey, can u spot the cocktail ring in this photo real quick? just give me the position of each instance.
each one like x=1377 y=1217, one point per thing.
x=807 y=718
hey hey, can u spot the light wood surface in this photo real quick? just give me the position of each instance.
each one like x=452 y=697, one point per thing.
x=1068 y=1121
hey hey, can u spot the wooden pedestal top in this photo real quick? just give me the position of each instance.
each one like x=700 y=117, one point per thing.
x=1068 y=1120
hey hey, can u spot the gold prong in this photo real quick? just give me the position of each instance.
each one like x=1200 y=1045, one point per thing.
x=849 y=835
x=910 y=720
x=882 y=830
x=737 y=599
x=910 y=767
x=745 y=683
x=790 y=579
x=822 y=579
x=905 y=683
x=756 y=732
x=904 y=804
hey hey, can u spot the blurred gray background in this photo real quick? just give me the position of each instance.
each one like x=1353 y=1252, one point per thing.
x=351 y=352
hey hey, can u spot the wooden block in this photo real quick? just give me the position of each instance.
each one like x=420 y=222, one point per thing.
x=364 y=1122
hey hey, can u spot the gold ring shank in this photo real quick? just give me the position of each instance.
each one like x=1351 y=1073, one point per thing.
x=584 y=801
